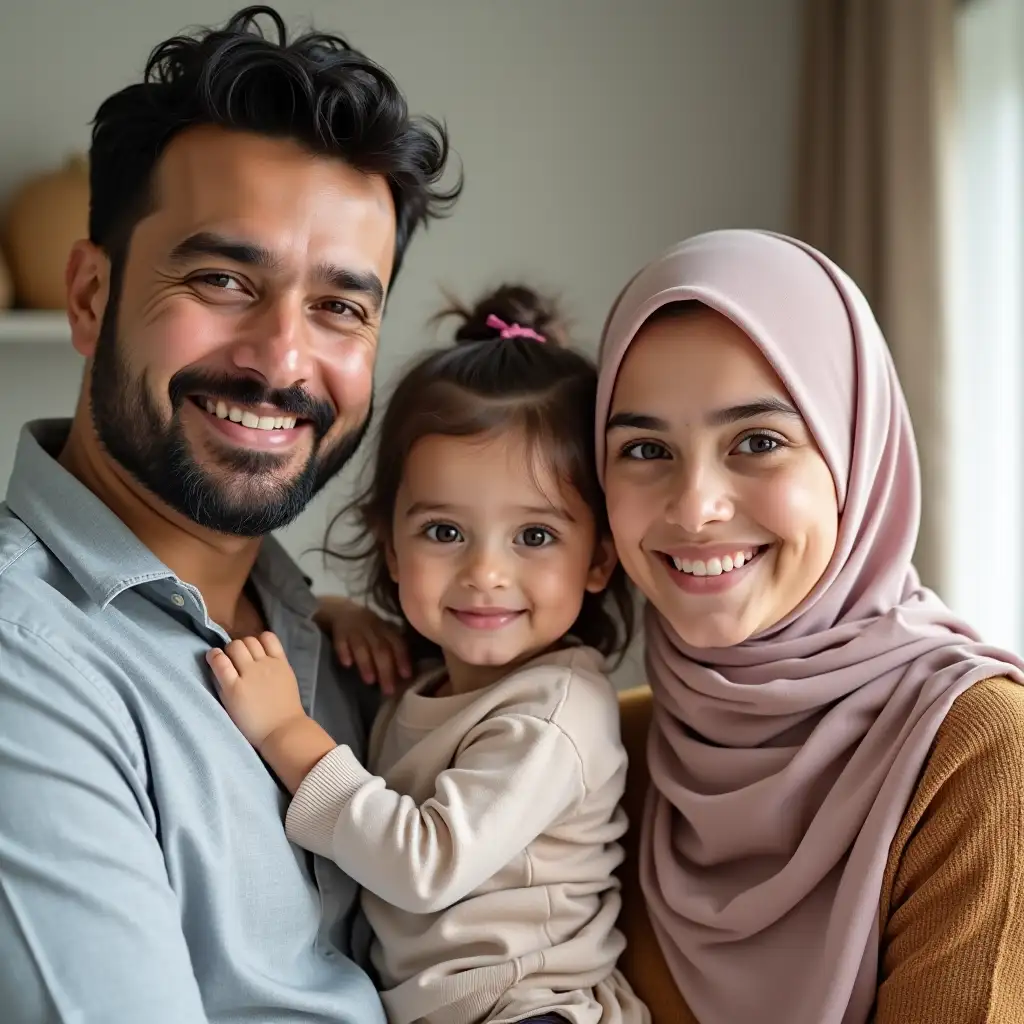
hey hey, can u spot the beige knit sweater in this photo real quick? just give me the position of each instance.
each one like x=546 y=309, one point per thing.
x=487 y=844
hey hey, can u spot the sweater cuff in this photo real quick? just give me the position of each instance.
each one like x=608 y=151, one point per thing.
x=320 y=798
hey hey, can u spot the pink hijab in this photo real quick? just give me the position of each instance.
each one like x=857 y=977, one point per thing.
x=782 y=767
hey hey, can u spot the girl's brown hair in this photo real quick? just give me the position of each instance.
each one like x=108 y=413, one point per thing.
x=485 y=384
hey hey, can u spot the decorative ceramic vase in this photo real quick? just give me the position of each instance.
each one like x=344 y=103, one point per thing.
x=47 y=215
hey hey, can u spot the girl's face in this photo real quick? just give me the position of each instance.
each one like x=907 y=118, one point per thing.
x=492 y=554
x=724 y=512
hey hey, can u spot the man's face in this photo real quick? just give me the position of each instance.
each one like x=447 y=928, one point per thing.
x=232 y=373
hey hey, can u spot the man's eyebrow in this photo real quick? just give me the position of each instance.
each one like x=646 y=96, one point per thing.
x=207 y=243
x=346 y=280
x=251 y=254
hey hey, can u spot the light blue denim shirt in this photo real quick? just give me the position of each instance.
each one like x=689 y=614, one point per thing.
x=145 y=877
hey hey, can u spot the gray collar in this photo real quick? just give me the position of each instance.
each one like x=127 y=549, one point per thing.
x=96 y=547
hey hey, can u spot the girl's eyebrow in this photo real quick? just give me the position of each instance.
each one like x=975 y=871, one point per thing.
x=427 y=507
x=438 y=508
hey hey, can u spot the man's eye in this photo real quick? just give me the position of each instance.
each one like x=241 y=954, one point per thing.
x=224 y=282
x=345 y=309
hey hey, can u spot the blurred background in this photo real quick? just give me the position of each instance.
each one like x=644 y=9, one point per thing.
x=594 y=133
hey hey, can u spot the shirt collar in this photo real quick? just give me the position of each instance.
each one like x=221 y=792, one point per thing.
x=93 y=544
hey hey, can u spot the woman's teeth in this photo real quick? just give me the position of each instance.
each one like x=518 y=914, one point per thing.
x=713 y=566
x=223 y=411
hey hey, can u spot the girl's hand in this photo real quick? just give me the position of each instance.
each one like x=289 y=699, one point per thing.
x=257 y=686
x=362 y=638
x=261 y=694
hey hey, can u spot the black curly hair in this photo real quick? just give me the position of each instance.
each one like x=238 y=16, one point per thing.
x=314 y=89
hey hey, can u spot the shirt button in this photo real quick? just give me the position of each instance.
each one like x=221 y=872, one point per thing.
x=178 y=600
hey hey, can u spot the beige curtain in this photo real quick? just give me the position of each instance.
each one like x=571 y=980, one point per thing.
x=876 y=119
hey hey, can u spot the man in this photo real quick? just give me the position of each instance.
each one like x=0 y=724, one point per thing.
x=251 y=202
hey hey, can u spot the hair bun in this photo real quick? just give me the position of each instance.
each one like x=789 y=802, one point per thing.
x=511 y=304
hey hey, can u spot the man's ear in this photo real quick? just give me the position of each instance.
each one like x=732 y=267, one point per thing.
x=87 y=285
x=602 y=565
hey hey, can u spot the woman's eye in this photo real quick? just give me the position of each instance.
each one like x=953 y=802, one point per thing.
x=443 y=533
x=534 y=537
x=758 y=444
x=645 y=451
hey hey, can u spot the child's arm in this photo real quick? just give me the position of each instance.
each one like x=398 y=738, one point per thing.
x=362 y=638
x=514 y=775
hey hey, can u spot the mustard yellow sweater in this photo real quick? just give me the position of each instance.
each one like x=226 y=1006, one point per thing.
x=951 y=913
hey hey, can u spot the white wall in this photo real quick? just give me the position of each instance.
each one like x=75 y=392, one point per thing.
x=593 y=134
x=987 y=337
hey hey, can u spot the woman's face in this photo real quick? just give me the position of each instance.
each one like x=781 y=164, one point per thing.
x=723 y=510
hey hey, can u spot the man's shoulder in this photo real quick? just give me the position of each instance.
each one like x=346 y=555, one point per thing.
x=16 y=539
x=34 y=586
x=44 y=615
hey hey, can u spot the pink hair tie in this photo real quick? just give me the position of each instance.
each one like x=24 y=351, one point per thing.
x=513 y=330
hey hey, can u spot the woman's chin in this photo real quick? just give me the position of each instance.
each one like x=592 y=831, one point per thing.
x=708 y=631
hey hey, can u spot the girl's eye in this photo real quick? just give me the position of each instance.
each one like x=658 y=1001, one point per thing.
x=758 y=444
x=443 y=533
x=645 y=451
x=535 y=537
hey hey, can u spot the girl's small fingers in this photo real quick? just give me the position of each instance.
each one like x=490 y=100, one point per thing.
x=384 y=660
x=364 y=661
x=239 y=654
x=271 y=644
x=343 y=651
x=223 y=669
x=255 y=648
x=401 y=655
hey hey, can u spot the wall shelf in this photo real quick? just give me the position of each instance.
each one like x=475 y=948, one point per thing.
x=34 y=327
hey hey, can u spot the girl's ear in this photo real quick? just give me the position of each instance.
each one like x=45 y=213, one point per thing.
x=602 y=565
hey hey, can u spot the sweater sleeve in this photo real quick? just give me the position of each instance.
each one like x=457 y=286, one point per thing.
x=514 y=775
x=952 y=946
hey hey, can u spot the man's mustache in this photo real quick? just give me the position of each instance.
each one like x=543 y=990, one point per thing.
x=293 y=401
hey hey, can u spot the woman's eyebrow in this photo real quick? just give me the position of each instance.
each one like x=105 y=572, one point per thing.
x=636 y=421
x=767 y=406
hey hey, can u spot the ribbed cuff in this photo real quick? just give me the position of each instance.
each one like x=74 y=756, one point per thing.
x=318 y=803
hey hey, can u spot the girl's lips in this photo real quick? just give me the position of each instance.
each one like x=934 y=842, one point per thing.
x=485 y=618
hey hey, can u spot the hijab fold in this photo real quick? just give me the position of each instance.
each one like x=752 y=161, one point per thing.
x=782 y=767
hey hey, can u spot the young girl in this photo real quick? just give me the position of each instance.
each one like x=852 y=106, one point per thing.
x=485 y=832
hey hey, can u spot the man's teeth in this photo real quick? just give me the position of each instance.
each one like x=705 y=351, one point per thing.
x=224 y=411
x=713 y=566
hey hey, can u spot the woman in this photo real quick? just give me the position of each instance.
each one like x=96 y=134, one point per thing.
x=833 y=828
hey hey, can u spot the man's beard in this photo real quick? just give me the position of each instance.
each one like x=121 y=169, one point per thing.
x=248 y=501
